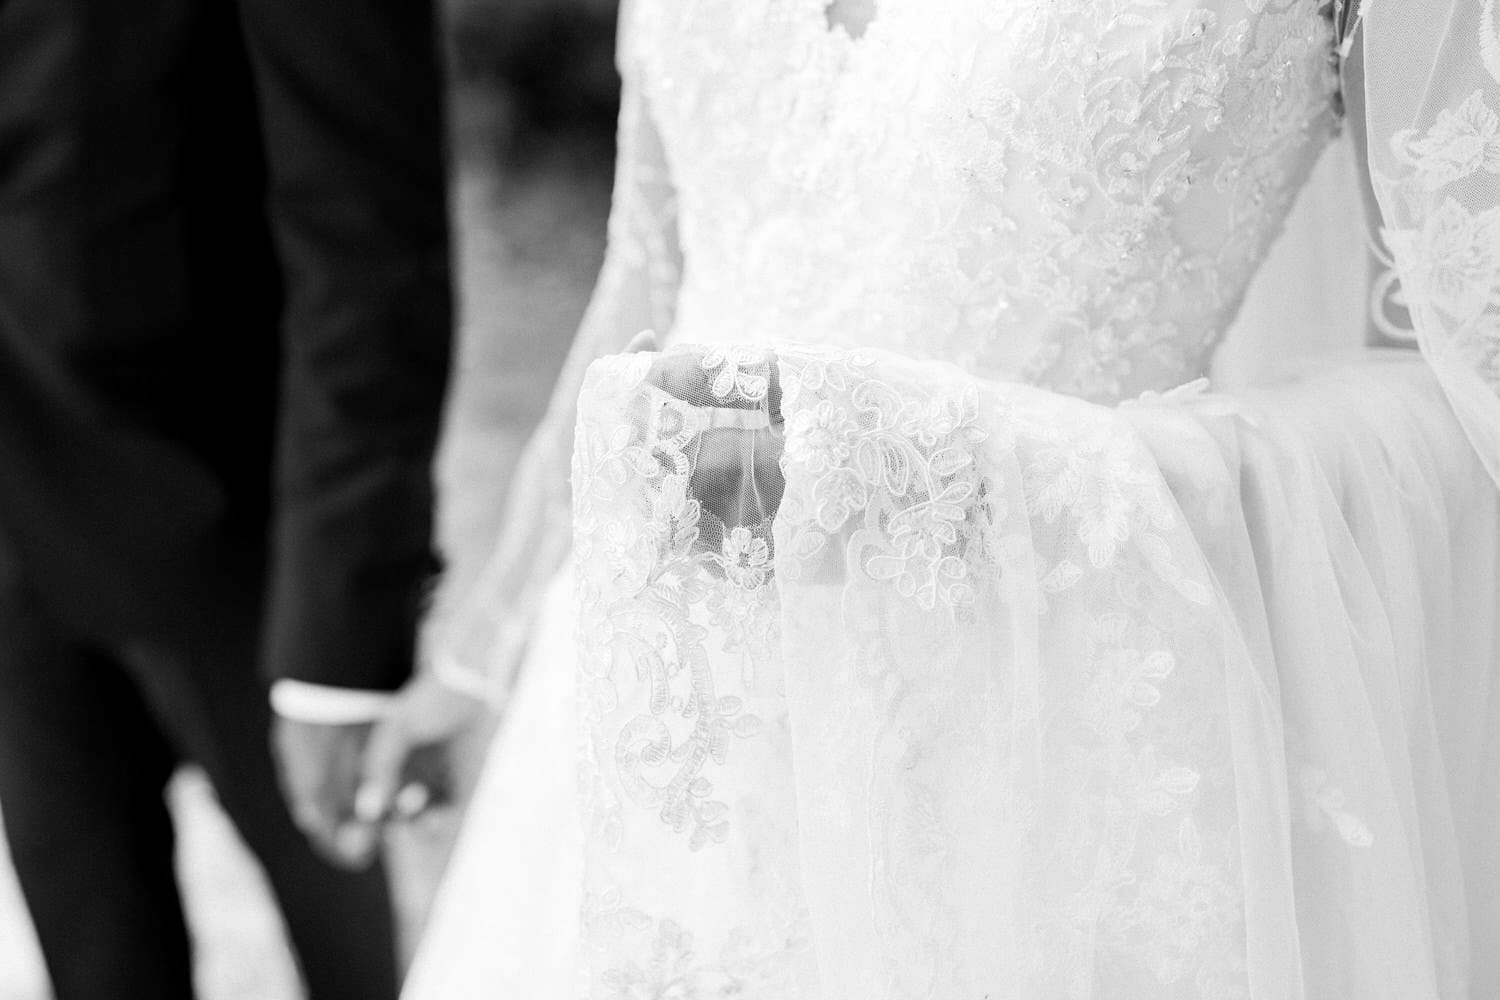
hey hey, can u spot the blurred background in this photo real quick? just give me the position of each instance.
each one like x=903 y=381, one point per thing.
x=534 y=97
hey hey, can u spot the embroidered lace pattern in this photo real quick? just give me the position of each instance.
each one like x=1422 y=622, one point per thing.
x=1434 y=125
x=1071 y=193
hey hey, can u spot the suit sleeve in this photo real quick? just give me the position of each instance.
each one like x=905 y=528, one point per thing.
x=351 y=105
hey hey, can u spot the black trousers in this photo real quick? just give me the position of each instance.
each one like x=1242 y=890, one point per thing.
x=88 y=739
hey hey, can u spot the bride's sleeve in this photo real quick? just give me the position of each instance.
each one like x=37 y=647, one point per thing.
x=1431 y=111
x=476 y=644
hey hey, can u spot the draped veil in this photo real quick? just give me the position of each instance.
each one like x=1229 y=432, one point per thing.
x=1432 y=119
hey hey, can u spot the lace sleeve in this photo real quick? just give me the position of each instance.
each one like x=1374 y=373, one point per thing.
x=478 y=644
x=1430 y=107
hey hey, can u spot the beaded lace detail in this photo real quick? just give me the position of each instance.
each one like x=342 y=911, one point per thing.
x=1074 y=193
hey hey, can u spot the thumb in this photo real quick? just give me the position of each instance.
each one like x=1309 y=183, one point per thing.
x=643 y=341
x=380 y=772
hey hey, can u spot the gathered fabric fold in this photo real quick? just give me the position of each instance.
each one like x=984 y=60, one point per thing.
x=919 y=685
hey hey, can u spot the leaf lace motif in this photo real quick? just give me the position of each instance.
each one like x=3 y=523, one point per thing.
x=968 y=500
x=930 y=522
x=1446 y=250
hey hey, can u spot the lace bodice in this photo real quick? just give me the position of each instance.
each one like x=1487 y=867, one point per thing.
x=1073 y=193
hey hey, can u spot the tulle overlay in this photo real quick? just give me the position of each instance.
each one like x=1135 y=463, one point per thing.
x=1015 y=695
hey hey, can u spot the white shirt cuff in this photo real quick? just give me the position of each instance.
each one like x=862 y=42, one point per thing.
x=319 y=704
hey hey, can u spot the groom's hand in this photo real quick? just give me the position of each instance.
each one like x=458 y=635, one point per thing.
x=320 y=768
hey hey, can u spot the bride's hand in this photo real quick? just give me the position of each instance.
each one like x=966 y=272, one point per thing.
x=424 y=720
x=737 y=468
x=406 y=768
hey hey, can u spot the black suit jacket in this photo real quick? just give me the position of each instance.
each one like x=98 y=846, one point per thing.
x=224 y=320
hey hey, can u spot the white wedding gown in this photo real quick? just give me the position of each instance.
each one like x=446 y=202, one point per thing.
x=937 y=634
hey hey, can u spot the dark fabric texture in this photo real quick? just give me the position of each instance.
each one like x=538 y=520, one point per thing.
x=88 y=739
x=224 y=318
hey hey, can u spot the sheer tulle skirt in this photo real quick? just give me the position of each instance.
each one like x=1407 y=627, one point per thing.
x=1015 y=695
x=505 y=924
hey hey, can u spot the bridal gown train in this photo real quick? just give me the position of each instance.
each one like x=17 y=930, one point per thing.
x=932 y=630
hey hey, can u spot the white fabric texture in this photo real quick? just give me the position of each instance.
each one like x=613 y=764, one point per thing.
x=1310 y=297
x=940 y=634
x=505 y=925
